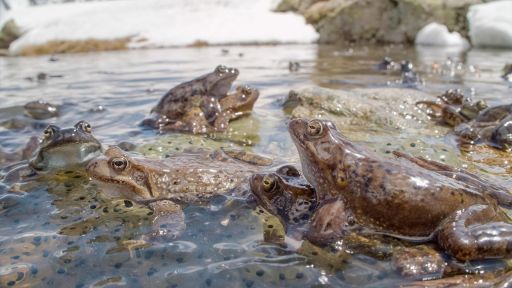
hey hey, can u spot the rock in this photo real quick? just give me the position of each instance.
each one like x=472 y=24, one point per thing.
x=435 y=34
x=394 y=21
x=490 y=24
x=8 y=34
x=386 y=119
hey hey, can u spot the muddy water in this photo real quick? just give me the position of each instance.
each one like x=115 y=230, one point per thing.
x=64 y=232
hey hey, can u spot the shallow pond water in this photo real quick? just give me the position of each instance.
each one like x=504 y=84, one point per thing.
x=65 y=232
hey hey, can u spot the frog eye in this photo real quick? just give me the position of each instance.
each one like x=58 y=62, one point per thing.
x=84 y=126
x=49 y=132
x=268 y=183
x=481 y=105
x=246 y=90
x=315 y=128
x=119 y=163
x=221 y=69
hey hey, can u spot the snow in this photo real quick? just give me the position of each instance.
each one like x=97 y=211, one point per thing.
x=160 y=23
x=490 y=24
x=435 y=34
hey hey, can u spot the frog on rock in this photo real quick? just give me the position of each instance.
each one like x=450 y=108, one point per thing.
x=203 y=104
x=405 y=197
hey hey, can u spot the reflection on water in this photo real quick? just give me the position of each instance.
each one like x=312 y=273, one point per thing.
x=64 y=232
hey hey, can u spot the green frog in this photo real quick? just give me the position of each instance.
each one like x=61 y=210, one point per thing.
x=409 y=198
x=189 y=177
x=58 y=149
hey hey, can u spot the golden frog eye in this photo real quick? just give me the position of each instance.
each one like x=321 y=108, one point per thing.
x=315 y=128
x=268 y=183
x=119 y=164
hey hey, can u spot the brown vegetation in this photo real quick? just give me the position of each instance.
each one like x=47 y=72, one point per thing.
x=75 y=46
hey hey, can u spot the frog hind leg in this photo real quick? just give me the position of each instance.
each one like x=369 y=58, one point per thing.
x=432 y=109
x=247 y=157
x=169 y=221
x=501 y=194
x=475 y=233
x=328 y=224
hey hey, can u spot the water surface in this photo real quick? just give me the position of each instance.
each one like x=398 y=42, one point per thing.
x=64 y=232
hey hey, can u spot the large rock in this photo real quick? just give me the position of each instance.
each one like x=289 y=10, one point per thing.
x=394 y=21
x=10 y=32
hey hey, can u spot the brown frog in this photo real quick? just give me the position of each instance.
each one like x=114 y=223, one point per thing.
x=453 y=108
x=41 y=110
x=288 y=196
x=203 y=92
x=162 y=183
x=232 y=106
x=409 y=198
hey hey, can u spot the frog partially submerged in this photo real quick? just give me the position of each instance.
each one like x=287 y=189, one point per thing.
x=162 y=183
x=41 y=110
x=58 y=149
x=288 y=196
x=409 y=198
x=66 y=147
x=493 y=127
x=232 y=106
x=196 y=98
x=453 y=108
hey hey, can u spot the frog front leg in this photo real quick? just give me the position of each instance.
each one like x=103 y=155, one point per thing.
x=477 y=232
x=329 y=224
x=169 y=221
x=211 y=109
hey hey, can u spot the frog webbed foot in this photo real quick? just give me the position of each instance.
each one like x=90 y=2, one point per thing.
x=477 y=232
x=328 y=224
x=247 y=157
x=169 y=221
x=418 y=262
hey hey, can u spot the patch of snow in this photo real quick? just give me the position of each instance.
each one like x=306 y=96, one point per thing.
x=435 y=34
x=159 y=23
x=490 y=24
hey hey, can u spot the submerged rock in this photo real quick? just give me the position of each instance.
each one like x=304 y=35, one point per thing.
x=395 y=21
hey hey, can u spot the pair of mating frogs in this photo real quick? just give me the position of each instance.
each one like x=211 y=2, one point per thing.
x=474 y=122
x=203 y=104
x=353 y=190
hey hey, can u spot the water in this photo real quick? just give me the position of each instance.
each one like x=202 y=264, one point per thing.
x=65 y=232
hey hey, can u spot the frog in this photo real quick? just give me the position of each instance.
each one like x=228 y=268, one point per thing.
x=362 y=191
x=409 y=77
x=386 y=64
x=163 y=184
x=497 y=136
x=41 y=110
x=452 y=108
x=288 y=196
x=66 y=147
x=232 y=106
x=203 y=92
x=59 y=148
